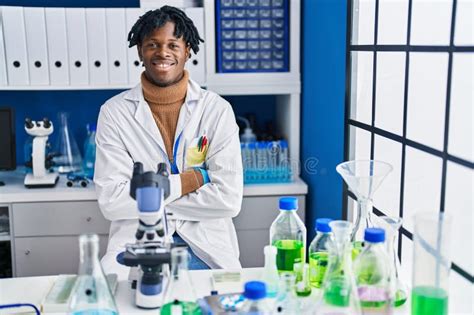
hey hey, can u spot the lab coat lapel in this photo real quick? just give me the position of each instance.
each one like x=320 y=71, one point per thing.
x=144 y=117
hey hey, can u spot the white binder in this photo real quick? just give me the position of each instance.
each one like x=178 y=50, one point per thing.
x=15 y=46
x=3 y=65
x=134 y=65
x=117 y=46
x=37 y=47
x=196 y=66
x=97 y=46
x=77 y=46
x=57 y=46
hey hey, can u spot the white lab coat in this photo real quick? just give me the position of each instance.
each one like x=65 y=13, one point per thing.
x=127 y=133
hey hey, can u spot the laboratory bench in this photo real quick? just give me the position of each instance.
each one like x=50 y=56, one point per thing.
x=17 y=290
x=44 y=223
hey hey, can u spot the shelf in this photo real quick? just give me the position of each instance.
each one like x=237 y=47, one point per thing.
x=5 y=238
x=298 y=187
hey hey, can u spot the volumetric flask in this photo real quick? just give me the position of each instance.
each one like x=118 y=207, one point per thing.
x=431 y=263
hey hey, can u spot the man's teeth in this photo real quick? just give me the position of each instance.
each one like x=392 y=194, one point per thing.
x=163 y=65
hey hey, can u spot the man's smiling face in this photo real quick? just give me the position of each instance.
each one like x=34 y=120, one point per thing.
x=163 y=55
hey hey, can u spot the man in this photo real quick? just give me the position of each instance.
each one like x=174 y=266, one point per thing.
x=169 y=118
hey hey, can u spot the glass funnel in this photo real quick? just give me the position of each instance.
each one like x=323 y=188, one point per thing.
x=391 y=225
x=91 y=294
x=339 y=289
x=67 y=156
x=179 y=296
x=363 y=177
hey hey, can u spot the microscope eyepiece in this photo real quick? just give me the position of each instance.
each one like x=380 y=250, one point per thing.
x=46 y=123
x=28 y=123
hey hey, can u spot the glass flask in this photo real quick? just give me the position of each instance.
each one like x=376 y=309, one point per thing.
x=68 y=158
x=400 y=289
x=89 y=151
x=318 y=252
x=339 y=289
x=363 y=177
x=91 y=294
x=287 y=302
x=301 y=270
x=431 y=263
x=288 y=235
x=255 y=303
x=270 y=272
x=179 y=296
x=372 y=273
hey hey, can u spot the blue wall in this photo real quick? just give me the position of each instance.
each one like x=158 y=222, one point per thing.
x=323 y=74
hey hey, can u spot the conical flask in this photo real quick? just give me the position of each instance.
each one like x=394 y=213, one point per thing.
x=363 y=178
x=91 y=294
x=339 y=289
x=179 y=296
x=68 y=158
x=399 y=289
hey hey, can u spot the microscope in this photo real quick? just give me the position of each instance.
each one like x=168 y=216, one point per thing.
x=152 y=251
x=40 y=177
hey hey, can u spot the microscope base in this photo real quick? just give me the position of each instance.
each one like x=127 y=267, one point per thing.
x=49 y=180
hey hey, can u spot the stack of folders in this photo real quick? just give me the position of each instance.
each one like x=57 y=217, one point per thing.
x=75 y=47
x=57 y=299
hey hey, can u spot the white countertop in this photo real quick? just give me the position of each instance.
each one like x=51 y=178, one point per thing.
x=15 y=191
x=33 y=290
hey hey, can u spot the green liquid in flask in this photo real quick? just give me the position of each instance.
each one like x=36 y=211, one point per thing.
x=427 y=300
x=400 y=298
x=188 y=308
x=357 y=247
x=288 y=252
x=337 y=291
x=318 y=263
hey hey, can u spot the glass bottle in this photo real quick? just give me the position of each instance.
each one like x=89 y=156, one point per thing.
x=400 y=290
x=255 y=304
x=318 y=252
x=287 y=302
x=270 y=272
x=179 y=296
x=91 y=294
x=288 y=235
x=68 y=157
x=339 y=289
x=89 y=152
x=372 y=273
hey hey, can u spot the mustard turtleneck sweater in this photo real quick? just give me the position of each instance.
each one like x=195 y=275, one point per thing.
x=165 y=104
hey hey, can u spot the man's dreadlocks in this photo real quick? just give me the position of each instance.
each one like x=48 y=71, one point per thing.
x=153 y=19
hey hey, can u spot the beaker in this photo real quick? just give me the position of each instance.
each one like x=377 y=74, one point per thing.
x=179 y=296
x=339 y=289
x=301 y=270
x=67 y=156
x=400 y=289
x=431 y=263
x=91 y=294
x=363 y=178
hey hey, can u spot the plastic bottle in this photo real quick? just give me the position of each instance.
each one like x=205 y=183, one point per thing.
x=270 y=272
x=179 y=296
x=318 y=252
x=262 y=161
x=284 y=162
x=91 y=294
x=252 y=151
x=255 y=303
x=372 y=272
x=89 y=152
x=288 y=235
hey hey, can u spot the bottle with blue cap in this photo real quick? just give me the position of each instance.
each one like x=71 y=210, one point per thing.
x=318 y=252
x=372 y=272
x=255 y=303
x=288 y=235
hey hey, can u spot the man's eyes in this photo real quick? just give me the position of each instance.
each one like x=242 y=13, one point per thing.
x=155 y=45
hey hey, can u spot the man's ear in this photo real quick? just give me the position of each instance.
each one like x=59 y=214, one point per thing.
x=188 y=52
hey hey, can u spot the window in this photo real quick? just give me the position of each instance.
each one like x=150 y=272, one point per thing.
x=410 y=102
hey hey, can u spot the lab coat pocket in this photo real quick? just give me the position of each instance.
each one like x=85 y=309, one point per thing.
x=196 y=152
